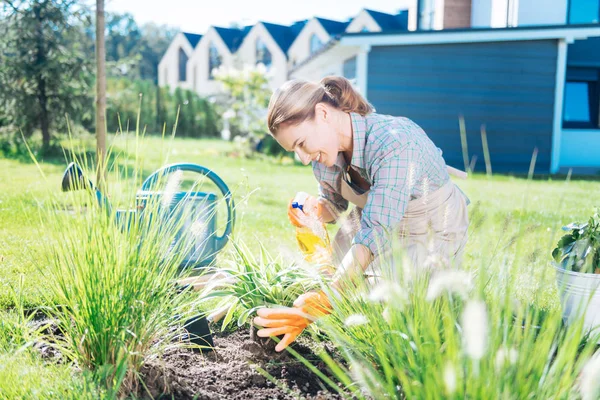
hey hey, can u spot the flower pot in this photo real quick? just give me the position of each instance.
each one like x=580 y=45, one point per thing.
x=579 y=296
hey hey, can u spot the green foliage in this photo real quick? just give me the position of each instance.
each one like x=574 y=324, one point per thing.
x=579 y=250
x=125 y=98
x=248 y=98
x=44 y=70
x=115 y=298
x=20 y=361
x=134 y=51
x=447 y=335
x=256 y=282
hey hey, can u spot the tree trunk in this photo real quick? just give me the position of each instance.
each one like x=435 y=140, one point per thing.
x=100 y=95
x=42 y=94
x=44 y=121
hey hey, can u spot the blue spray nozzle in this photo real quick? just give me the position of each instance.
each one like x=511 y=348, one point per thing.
x=295 y=204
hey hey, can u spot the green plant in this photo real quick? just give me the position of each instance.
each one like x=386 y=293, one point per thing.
x=111 y=288
x=256 y=282
x=579 y=250
x=443 y=338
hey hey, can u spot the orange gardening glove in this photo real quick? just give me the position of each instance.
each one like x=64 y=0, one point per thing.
x=300 y=217
x=290 y=322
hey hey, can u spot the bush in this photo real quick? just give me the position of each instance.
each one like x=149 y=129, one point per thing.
x=159 y=108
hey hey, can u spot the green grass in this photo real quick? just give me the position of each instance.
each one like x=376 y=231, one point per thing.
x=503 y=209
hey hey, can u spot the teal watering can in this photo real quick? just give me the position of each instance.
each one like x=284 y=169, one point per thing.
x=196 y=212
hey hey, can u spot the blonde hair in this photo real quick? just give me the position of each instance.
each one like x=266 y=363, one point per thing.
x=294 y=102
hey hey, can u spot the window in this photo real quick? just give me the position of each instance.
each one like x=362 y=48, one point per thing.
x=349 y=68
x=581 y=105
x=315 y=44
x=425 y=16
x=263 y=55
x=584 y=11
x=214 y=60
x=183 y=58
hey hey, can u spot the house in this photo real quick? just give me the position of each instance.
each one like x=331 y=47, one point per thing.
x=315 y=33
x=217 y=48
x=279 y=47
x=527 y=71
x=172 y=68
x=268 y=44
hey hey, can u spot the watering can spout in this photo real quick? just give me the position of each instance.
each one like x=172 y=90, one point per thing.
x=73 y=179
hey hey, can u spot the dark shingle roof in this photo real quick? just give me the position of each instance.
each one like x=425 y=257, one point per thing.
x=332 y=27
x=284 y=35
x=193 y=38
x=389 y=22
x=233 y=37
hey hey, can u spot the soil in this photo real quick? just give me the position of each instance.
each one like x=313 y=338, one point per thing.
x=230 y=372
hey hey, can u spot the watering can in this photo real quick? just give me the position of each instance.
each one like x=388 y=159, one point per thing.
x=200 y=216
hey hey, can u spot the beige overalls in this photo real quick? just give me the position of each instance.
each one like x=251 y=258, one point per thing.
x=435 y=224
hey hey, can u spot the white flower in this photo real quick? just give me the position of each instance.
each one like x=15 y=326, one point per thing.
x=505 y=355
x=198 y=228
x=171 y=188
x=387 y=292
x=356 y=320
x=450 y=378
x=589 y=384
x=451 y=281
x=435 y=260
x=475 y=329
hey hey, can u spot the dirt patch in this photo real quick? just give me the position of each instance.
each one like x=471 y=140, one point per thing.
x=230 y=372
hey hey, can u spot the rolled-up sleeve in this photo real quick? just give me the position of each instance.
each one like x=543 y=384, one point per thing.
x=394 y=173
x=335 y=203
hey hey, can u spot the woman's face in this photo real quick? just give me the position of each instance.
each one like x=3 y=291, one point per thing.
x=312 y=140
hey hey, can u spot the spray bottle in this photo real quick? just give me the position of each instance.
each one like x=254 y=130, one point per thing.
x=311 y=235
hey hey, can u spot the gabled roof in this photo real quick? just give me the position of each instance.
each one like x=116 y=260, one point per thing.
x=232 y=37
x=284 y=35
x=389 y=22
x=193 y=38
x=332 y=27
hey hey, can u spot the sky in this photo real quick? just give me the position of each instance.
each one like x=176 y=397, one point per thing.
x=197 y=15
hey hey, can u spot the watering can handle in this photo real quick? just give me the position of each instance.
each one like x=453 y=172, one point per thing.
x=221 y=240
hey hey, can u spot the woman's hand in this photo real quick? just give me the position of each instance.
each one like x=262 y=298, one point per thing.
x=290 y=322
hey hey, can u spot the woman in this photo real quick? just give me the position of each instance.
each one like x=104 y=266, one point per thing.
x=385 y=166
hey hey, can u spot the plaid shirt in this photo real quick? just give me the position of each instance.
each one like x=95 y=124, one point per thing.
x=398 y=160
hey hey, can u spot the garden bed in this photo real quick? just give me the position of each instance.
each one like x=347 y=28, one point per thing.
x=230 y=372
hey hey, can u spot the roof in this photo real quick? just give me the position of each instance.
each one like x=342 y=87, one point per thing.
x=232 y=37
x=193 y=38
x=389 y=22
x=531 y=32
x=462 y=35
x=332 y=27
x=284 y=35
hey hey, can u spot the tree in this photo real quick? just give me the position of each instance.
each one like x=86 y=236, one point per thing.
x=100 y=93
x=44 y=73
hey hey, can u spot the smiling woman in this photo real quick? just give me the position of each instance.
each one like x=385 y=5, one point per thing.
x=386 y=166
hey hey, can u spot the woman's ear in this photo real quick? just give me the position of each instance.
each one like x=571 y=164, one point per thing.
x=321 y=111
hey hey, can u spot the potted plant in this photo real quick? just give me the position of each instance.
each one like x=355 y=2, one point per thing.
x=577 y=262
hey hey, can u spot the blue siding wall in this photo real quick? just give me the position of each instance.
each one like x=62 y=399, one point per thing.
x=508 y=86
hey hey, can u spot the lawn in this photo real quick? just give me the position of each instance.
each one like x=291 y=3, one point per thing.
x=515 y=224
